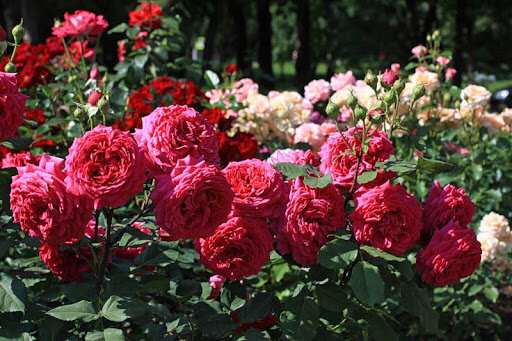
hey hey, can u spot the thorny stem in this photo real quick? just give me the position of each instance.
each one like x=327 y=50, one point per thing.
x=109 y=213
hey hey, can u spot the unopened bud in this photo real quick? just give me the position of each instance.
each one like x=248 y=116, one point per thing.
x=399 y=86
x=18 y=32
x=418 y=93
x=10 y=67
x=333 y=110
x=3 y=47
x=352 y=101
x=371 y=79
x=360 y=112
x=389 y=97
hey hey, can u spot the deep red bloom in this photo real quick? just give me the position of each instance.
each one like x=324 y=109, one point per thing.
x=213 y=115
x=264 y=324
x=36 y=115
x=231 y=68
x=68 y=265
x=241 y=146
x=146 y=14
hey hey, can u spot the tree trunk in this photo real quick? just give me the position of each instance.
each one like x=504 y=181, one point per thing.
x=10 y=14
x=459 y=40
x=209 y=48
x=412 y=22
x=265 y=41
x=237 y=12
x=430 y=19
x=303 y=63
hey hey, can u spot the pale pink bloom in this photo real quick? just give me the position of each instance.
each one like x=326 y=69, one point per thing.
x=419 y=51
x=309 y=133
x=450 y=73
x=443 y=60
x=244 y=87
x=395 y=67
x=216 y=282
x=317 y=90
x=341 y=80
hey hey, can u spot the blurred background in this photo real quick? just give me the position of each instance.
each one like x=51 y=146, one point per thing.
x=285 y=43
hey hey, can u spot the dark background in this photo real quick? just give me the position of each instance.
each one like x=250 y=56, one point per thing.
x=288 y=42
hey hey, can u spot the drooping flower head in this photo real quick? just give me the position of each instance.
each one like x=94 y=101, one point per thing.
x=193 y=200
x=172 y=133
x=387 y=218
x=311 y=215
x=12 y=105
x=43 y=206
x=106 y=166
x=259 y=189
x=453 y=253
x=238 y=248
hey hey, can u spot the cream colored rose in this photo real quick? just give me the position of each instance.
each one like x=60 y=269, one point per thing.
x=475 y=95
x=258 y=104
x=341 y=97
x=428 y=79
x=489 y=246
x=495 y=236
x=365 y=96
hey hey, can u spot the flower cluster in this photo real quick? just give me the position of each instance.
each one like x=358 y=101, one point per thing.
x=495 y=236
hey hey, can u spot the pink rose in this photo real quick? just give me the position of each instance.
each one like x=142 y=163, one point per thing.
x=453 y=253
x=419 y=51
x=94 y=97
x=341 y=80
x=12 y=105
x=395 y=67
x=445 y=204
x=387 y=218
x=94 y=73
x=172 y=133
x=309 y=133
x=311 y=215
x=389 y=77
x=450 y=73
x=295 y=156
x=317 y=90
x=193 y=200
x=43 y=207
x=342 y=165
x=327 y=129
x=243 y=87
x=106 y=166
x=443 y=60
x=20 y=159
x=259 y=189
x=216 y=282
x=238 y=248
x=81 y=23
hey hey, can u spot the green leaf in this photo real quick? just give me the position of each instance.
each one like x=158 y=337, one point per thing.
x=188 y=288
x=210 y=321
x=17 y=144
x=132 y=31
x=300 y=316
x=367 y=283
x=337 y=254
x=318 y=182
x=416 y=302
x=211 y=78
x=381 y=254
x=109 y=334
x=256 y=309
x=379 y=329
x=118 y=309
x=290 y=171
x=397 y=166
x=367 y=177
x=434 y=166
x=330 y=296
x=491 y=293
x=82 y=310
x=118 y=28
x=13 y=294
x=157 y=253
x=252 y=335
x=140 y=60
x=134 y=237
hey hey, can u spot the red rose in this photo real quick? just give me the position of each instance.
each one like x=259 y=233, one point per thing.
x=389 y=77
x=94 y=97
x=172 y=133
x=12 y=105
x=311 y=215
x=68 y=265
x=453 y=253
x=20 y=159
x=387 y=218
x=193 y=200
x=231 y=68
x=238 y=248
x=106 y=166
x=337 y=161
x=264 y=324
x=241 y=146
x=36 y=115
x=443 y=205
x=260 y=191
x=213 y=115
x=81 y=23
x=43 y=206
x=146 y=14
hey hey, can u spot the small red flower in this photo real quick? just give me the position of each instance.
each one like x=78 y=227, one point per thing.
x=231 y=68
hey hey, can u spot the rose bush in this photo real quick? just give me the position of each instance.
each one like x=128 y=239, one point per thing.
x=180 y=209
